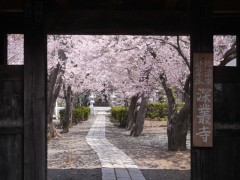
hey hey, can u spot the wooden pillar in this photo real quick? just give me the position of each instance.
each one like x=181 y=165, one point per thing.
x=3 y=48
x=35 y=145
x=201 y=42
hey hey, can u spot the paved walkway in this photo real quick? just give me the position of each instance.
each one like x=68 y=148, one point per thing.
x=116 y=165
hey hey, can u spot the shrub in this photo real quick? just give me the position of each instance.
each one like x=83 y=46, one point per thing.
x=62 y=113
x=119 y=113
x=157 y=110
x=79 y=113
x=160 y=110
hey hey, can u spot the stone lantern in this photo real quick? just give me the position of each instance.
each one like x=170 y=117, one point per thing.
x=113 y=99
x=91 y=100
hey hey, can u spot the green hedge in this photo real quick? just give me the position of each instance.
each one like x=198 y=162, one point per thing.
x=119 y=113
x=61 y=113
x=80 y=113
x=157 y=110
x=160 y=110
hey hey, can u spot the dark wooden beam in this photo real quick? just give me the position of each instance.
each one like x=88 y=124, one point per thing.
x=11 y=6
x=201 y=42
x=117 y=22
x=11 y=130
x=226 y=6
x=108 y=5
x=12 y=22
x=226 y=24
x=3 y=49
x=13 y=72
x=35 y=123
x=170 y=5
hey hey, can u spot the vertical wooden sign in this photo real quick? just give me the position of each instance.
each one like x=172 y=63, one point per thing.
x=203 y=99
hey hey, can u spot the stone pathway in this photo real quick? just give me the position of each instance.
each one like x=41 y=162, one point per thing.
x=116 y=165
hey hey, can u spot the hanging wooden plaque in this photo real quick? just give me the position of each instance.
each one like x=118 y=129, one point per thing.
x=202 y=99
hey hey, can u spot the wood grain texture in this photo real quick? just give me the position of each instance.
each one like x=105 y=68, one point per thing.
x=11 y=100
x=13 y=72
x=202 y=164
x=17 y=103
x=6 y=103
x=35 y=145
x=226 y=155
x=11 y=155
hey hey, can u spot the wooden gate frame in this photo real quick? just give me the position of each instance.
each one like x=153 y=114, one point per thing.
x=36 y=27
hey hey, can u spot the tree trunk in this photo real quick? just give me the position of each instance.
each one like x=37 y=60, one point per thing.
x=177 y=129
x=138 y=126
x=131 y=111
x=68 y=110
x=178 y=122
x=85 y=98
x=51 y=86
x=54 y=87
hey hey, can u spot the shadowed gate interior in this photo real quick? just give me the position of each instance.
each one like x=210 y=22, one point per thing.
x=23 y=146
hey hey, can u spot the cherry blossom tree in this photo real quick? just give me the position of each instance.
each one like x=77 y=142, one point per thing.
x=57 y=59
x=134 y=65
x=224 y=49
x=71 y=62
x=15 y=49
x=173 y=72
x=125 y=61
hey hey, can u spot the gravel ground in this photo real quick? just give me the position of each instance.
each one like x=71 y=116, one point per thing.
x=149 y=151
x=70 y=157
